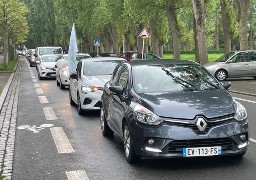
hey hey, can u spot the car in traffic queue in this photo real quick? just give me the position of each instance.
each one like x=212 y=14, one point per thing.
x=46 y=66
x=32 y=58
x=235 y=64
x=62 y=71
x=170 y=109
x=87 y=83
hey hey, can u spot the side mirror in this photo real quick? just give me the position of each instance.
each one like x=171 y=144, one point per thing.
x=73 y=76
x=117 y=89
x=226 y=84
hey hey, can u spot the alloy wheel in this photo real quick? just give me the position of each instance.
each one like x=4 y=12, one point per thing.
x=221 y=75
x=127 y=141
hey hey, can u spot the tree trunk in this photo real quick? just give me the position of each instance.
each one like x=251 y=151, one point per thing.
x=251 y=38
x=225 y=26
x=138 y=28
x=154 y=37
x=196 y=42
x=217 y=32
x=199 y=12
x=113 y=35
x=242 y=10
x=174 y=28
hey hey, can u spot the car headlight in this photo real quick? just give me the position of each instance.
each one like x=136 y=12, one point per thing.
x=146 y=116
x=85 y=88
x=241 y=113
x=65 y=71
x=43 y=68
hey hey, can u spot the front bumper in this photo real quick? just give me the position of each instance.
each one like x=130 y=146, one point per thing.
x=169 y=140
x=48 y=73
x=91 y=100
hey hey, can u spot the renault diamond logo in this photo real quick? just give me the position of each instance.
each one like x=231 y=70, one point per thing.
x=201 y=124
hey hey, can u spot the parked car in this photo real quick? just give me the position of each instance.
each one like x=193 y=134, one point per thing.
x=87 y=84
x=107 y=55
x=62 y=71
x=169 y=108
x=128 y=55
x=135 y=55
x=234 y=64
x=46 y=66
x=32 y=58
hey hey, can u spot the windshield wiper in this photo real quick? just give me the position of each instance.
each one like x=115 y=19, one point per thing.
x=179 y=80
x=201 y=78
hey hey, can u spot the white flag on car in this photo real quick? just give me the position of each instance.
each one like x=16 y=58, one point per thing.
x=72 y=50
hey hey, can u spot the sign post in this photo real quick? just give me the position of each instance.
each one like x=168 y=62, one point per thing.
x=97 y=44
x=144 y=34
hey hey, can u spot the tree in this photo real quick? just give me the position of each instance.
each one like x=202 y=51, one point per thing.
x=13 y=24
x=242 y=7
x=199 y=7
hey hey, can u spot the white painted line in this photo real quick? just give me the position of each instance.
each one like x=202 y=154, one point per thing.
x=49 y=113
x=43 y=99
x=245 y=100
x=253 y=140
x=33 y=77
x=39 y=91
x=77 y=175
x=61 y=141
x=37 y=85
x=34 y=80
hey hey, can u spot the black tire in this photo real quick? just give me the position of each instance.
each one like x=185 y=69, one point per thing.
x=105 y=129
x=254 y=77
x=30 y=65
x=62 y=86
x=79 y=108
x=57 y=82
x=72 y=103
x=130 y=154
x=39 y=77
x=221 y=75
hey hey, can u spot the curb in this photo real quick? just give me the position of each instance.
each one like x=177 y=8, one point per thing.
x=7 y=86
x=242 y=93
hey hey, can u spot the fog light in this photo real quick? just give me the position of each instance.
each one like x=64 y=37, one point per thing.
x=242 y=145
x=151 y=141
x=153 y=149
x=242 y=137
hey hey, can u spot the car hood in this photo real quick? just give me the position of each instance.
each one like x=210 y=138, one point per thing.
x=48 y=64
x=98 y=81
x=187 y=105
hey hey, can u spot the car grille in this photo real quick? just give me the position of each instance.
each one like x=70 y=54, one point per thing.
x=177 y=145
x=51 y=74
x=210 y=123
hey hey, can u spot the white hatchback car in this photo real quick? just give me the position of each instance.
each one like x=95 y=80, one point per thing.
x=46 y=66
x=62 y=71
x=87 y=84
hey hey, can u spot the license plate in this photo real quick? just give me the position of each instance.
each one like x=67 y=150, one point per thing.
x=201 y=151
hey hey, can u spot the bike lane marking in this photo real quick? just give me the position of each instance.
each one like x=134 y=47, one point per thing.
x=49 y=113
x=77 y=175
x=39 y=91
x=43 y=99
x=61 y=141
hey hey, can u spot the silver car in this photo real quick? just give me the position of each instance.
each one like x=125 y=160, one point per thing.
x=234 y=64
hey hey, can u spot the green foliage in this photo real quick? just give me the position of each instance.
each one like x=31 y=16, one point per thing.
x=191 y=56
x=10 y=67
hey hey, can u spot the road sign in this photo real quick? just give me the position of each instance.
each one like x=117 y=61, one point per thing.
x=144 y=34
x=96 y=42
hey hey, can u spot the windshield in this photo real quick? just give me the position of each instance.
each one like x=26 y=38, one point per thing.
x=147 y=79
x=225 y=57
x=95 y=68
x=49 y=58
x=50 y=50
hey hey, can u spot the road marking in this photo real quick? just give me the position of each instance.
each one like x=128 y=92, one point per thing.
x=61 y=141
x=34 y=80
x=245 y=100
x=49 y=113
x=253 y=140
x=43 y=99
x=39 y=91
x=77 y=175
x=33 y=77
x=35 y=129
x=37 y=85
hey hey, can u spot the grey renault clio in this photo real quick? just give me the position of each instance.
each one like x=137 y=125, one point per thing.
x=169 y=109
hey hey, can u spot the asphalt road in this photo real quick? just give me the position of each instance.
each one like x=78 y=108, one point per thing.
x=37 y=156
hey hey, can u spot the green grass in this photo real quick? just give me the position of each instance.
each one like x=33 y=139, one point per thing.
x=211 y=57
x=10 y=67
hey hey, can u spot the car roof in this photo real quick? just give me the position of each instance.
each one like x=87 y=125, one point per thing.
x=106 y=58
x=161 y=62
